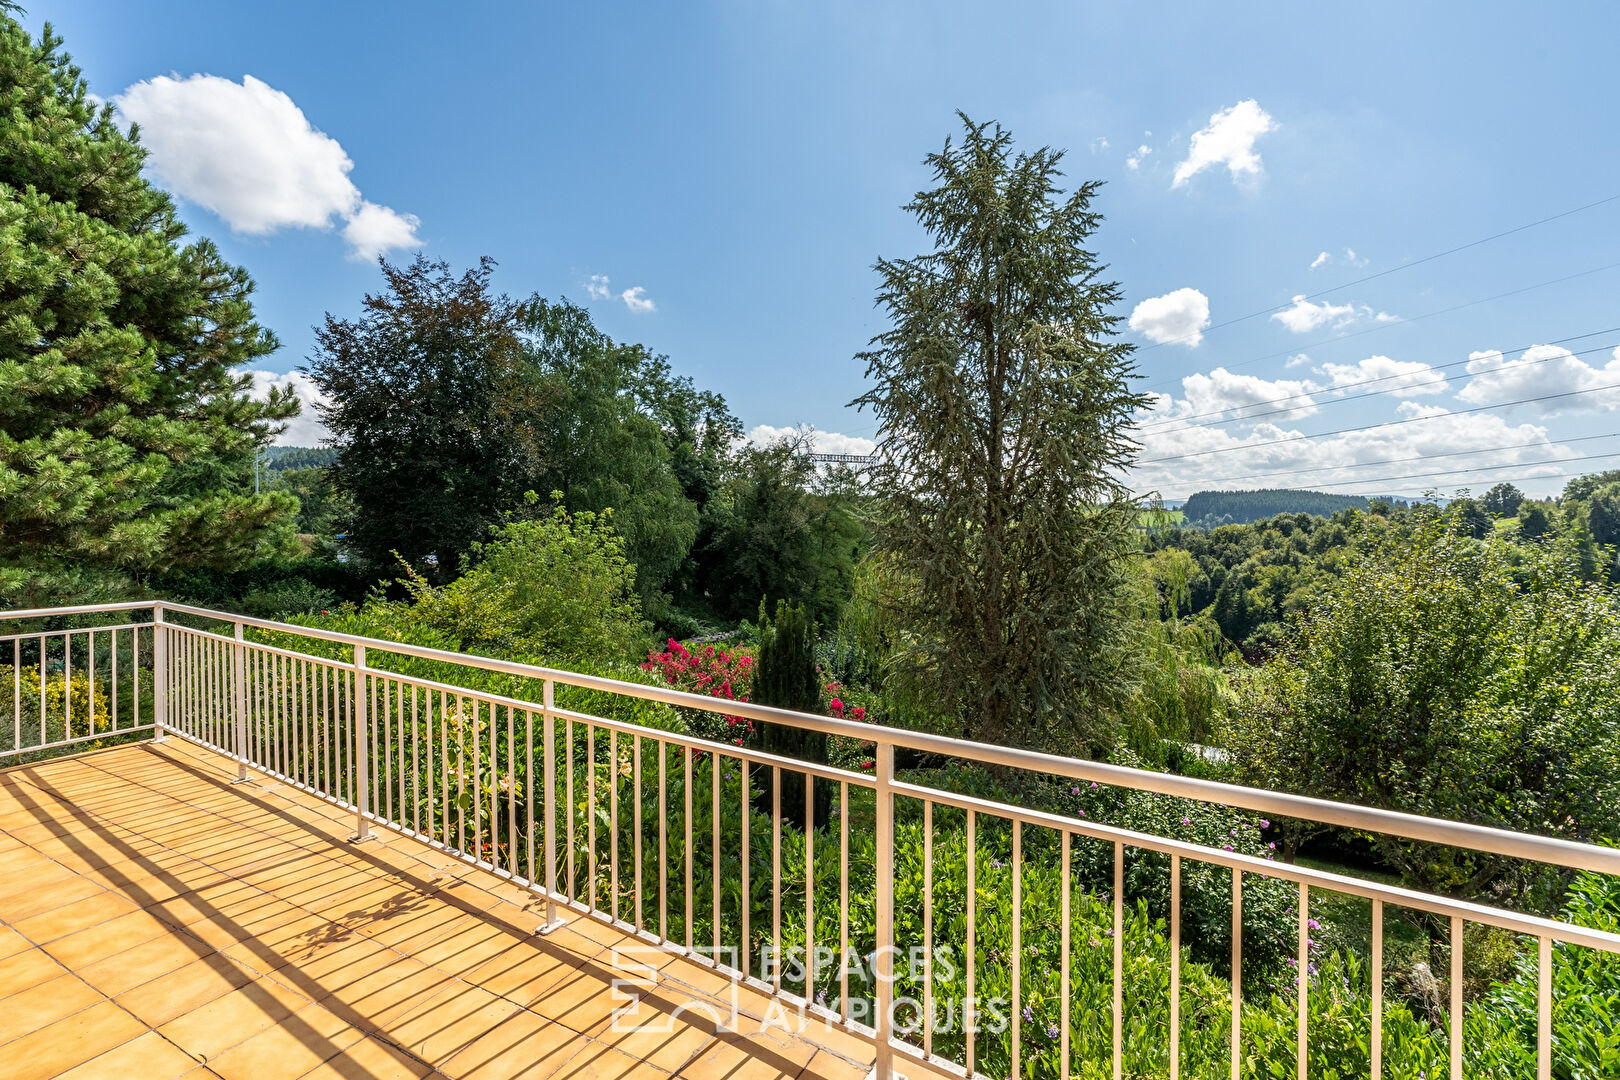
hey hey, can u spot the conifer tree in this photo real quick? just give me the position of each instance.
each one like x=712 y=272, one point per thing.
x=126 y=433
x=785 y=676
x=1004 y=410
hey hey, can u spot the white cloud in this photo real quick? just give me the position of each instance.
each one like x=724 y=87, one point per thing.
x=1227 y=140
x=306 y=428
x=821 y=442
x=1353 y=259
x=1253 y=456
x=1299 y=359
x=1304 y=316
x=1178 y=317
x=1539 y=371
x=246 y=152
x=1134 y=159
x=1099 y=144
x=1321 y=260
x=1399 y=378
x=1223 y=392
x=636 y=300
x=376 y=230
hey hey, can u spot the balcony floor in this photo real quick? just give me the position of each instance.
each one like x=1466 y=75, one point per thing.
x=160 y=922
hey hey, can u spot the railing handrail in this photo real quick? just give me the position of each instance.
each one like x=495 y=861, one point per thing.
x=1571 y=854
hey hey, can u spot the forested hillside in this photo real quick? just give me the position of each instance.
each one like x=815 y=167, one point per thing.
x=1207 y=509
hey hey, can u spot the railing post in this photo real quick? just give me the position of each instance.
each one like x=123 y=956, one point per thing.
x=362 y=750
x=239 y=704
x=160 y=676
x=883 y=953
x=548 y=703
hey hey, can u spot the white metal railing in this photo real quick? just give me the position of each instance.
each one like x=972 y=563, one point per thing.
x=449 y=754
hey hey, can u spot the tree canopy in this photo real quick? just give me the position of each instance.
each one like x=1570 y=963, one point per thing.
x=1002 y=398
x=126 y=431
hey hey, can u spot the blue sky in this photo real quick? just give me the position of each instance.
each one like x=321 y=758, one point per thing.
x=743 y=164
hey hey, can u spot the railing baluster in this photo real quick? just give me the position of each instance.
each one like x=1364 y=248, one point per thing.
x=663 y=841
x=1119 y=959
x=686 y=756
x=1063 y=976
x=90 y=677
x=928 y=928
x=511 y=792
x=1303 y=998
x=67 y=686
x=969 y=1013
x=1376 y=975
x=883 y=966
x=1237 y=973
x=743 y=943
x=590 y=810
x=1544 y=1029
x=809 y=888
x=362 y=829
x=1175 y=967
x=843 y=900
x=239 y=703
x=714 y=852
x=1456 y=997
x=548 y=703
x=531 y=872
x=494 y=789
x=776 y=878
x=636 y=758
x=416 y=769
x=568 y=770
x=1016 y=945
x=613 y=819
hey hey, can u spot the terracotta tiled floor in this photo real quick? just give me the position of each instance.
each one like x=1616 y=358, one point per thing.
x=160 y=922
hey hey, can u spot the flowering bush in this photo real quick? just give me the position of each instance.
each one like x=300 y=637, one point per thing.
x=715 y=672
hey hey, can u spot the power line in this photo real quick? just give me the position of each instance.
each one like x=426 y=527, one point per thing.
x=1304 y=395
x=1404 y=321
x=1385 y=273
x=1387 y=424
x=1417 y=457
x=1462 y=472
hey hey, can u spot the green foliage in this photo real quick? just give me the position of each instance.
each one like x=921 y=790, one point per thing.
x=1503 y=500
x=1603 y=514
x=601 y=436
x=1208 y=509
x=1455 y=678
x=557 y=588
x=432 y=414
x=786 y=676
x=779 y=529
x=279 y=459
x=321 y=509
x=126 y=436
x=1002 y=404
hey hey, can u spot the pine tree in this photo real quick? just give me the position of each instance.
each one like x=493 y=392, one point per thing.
x=1004 y=416
x=126 y=435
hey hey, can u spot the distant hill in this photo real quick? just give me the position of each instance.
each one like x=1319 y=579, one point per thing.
x=281 y=458
x=1207 y=509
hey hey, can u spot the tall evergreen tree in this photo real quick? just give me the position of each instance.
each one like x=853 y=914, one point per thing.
x=126 y=434
x=786 y=677
x=1004 y=417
